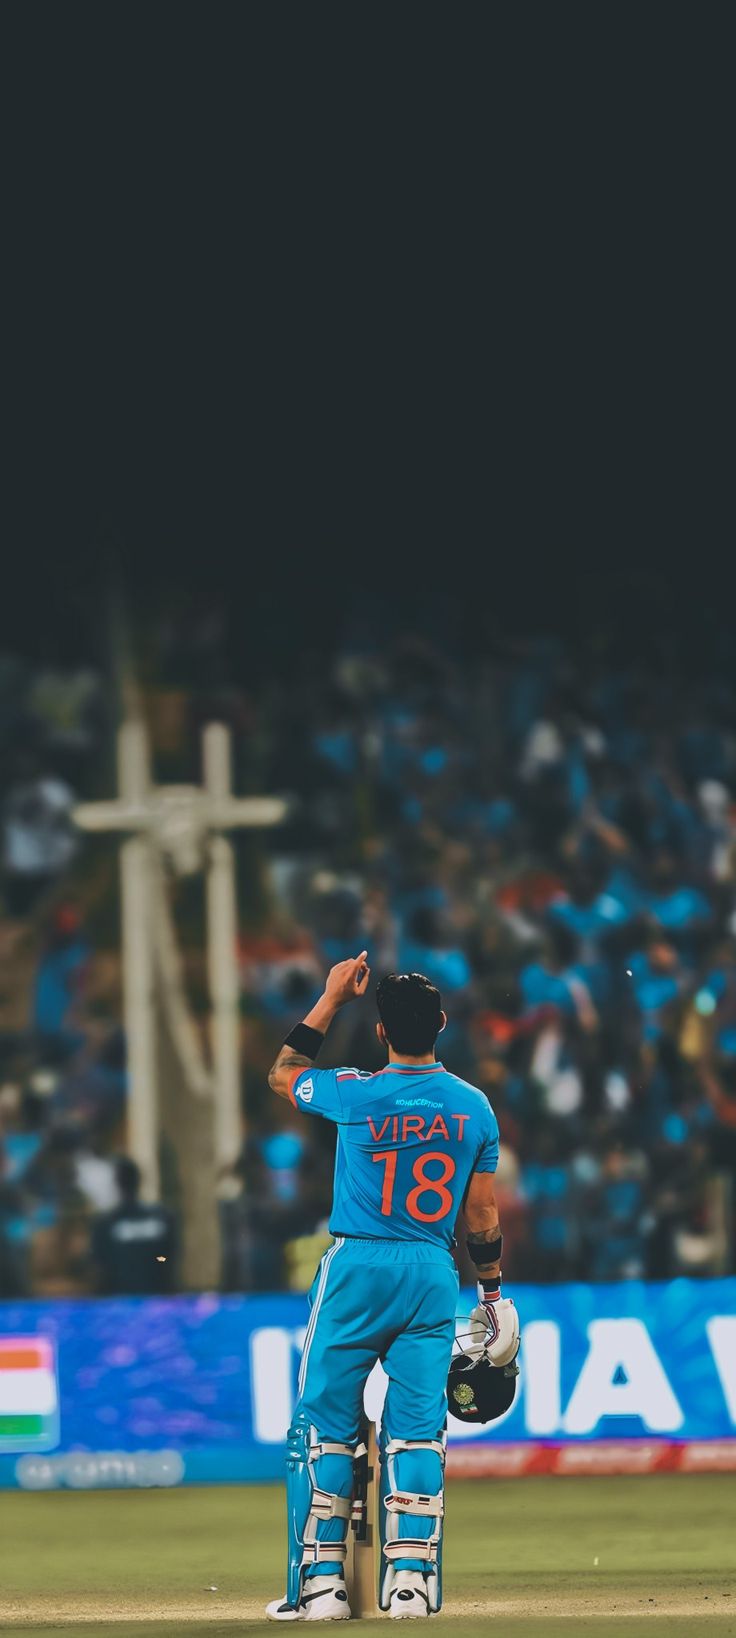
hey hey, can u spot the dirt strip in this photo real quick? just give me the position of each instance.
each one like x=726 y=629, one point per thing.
x=88 y=1612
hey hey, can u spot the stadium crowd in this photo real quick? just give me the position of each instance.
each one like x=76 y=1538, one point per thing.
x=549 y=835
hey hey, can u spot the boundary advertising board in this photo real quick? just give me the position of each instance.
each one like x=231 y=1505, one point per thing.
x=200 y=1389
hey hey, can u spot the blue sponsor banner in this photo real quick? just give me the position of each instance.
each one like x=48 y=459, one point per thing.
x=200 y=1389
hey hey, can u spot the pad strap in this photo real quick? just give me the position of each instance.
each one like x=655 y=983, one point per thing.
x=414 y=1506
x=394 y=1445
x=424 y=1547
x=328 y=1447
x=409 y=1501
x=324 y=1552
x=326 y=1506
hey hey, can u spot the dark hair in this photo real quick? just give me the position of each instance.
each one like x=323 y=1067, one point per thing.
x=409 y=1008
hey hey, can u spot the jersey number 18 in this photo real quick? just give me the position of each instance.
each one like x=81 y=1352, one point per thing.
x=424 y=1185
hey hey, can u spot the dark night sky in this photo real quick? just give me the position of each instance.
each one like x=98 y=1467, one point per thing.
x=305 y=301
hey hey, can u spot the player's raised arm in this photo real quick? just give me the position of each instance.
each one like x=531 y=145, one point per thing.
x=345 y=981
x=494 y=1323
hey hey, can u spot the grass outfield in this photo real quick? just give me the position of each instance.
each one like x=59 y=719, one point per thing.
x=520 y=1559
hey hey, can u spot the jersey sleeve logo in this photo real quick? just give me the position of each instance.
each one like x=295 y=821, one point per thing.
x=306 y=1090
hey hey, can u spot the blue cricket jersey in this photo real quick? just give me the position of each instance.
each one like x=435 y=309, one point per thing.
x=408 y=1139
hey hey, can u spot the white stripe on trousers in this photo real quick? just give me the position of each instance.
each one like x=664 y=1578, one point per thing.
x=329 y=1258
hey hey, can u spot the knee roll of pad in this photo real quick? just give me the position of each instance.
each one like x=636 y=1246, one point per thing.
x=309 y=1504
x=397 y=1502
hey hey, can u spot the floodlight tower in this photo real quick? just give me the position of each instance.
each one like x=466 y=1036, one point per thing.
x=184 y=826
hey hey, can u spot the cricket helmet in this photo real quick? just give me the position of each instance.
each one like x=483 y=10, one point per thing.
x=478 y=1391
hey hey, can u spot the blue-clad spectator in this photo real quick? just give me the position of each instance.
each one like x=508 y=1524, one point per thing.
x=657 y=982
x=547 y=1187
x=676 y=907
x=428 y=947
x=59 y=981
x=591 y=914
x=617 y=1221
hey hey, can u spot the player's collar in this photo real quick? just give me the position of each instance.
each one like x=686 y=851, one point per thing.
x=416 y=1069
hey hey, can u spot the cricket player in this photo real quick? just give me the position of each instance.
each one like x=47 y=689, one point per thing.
x=415 y=1145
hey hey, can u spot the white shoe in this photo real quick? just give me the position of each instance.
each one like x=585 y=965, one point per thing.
x=408 y=1598
x=324 y=1598
x=281 y=1611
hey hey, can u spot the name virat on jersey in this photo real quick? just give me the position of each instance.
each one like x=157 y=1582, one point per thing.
x=400 y=1128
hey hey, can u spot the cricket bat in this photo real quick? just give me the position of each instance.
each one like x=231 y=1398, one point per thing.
x=361 y=1570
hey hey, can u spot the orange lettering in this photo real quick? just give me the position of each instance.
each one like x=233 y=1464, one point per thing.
x=461 y=1119
x=438 y=1128
x=390 y=1156
x=395 y=1129
x=376 y=1136
x=411 y=1123
x=430 y=1185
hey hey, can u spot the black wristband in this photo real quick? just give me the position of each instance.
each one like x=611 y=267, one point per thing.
x=306 y=1040
x=490 y=1287
x=481 y=1252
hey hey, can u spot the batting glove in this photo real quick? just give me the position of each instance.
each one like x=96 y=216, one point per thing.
x=494 y=1326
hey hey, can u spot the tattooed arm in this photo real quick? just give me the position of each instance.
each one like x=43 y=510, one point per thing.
x=494 y=1324
x=481 y=1217
x=281 y=1072
x=344 y=982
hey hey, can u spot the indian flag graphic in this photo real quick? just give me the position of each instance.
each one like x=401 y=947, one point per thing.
x=29 y=1395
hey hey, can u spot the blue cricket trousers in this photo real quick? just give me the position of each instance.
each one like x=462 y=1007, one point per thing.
x=393 y=1300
